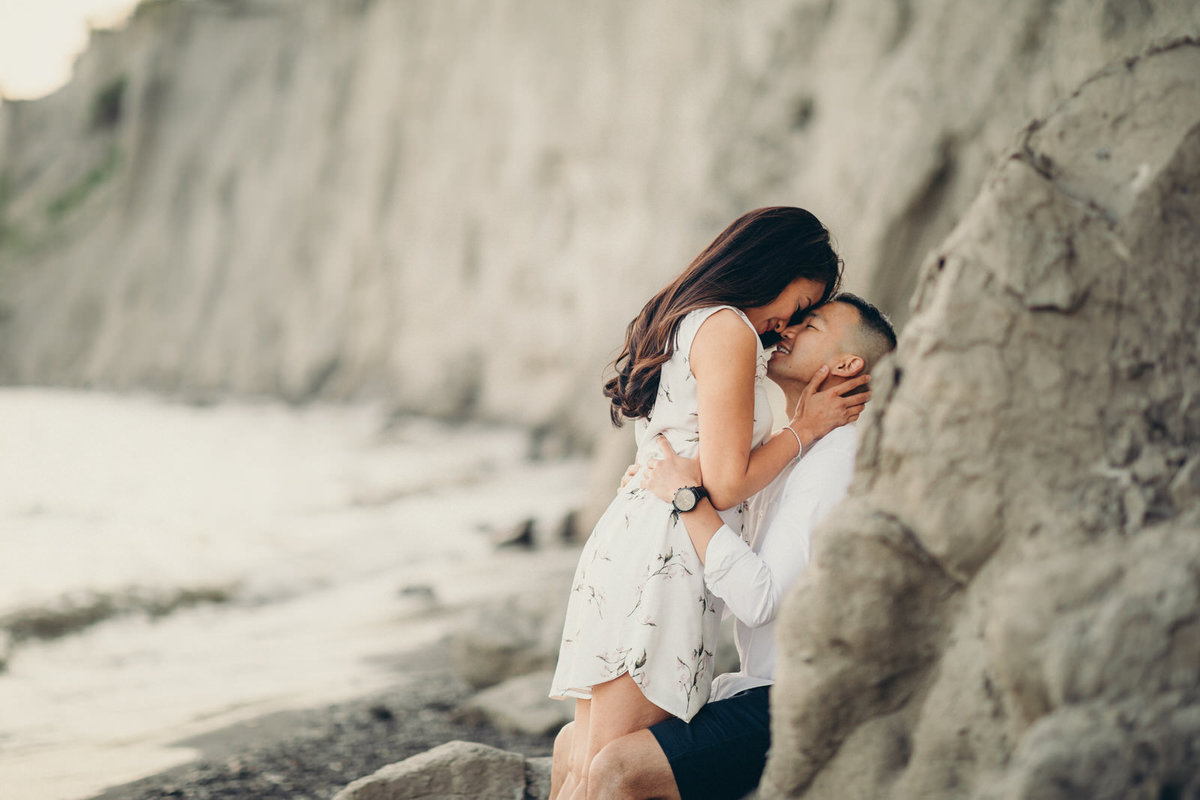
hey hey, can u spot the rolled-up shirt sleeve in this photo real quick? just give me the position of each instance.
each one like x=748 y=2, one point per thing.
x=752 y=584
x=737 y=575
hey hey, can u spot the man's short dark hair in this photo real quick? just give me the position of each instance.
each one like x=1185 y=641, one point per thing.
x=875 y=335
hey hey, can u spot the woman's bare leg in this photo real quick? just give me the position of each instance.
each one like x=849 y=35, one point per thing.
x=574 y=752
x=562 y=758
x=617 y=707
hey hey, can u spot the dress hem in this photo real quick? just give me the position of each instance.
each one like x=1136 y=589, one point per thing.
x=586 y=694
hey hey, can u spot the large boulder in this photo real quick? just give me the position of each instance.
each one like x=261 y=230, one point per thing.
x=537 y=778
x=453 y=771
x=1006 y=606
x=512 y=636
x=520 y=705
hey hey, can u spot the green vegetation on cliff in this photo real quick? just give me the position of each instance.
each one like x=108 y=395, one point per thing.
x=73 y=197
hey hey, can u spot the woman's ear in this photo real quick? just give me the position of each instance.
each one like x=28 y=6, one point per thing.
x=847 y=365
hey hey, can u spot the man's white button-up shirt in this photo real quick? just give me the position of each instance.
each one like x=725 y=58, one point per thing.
x=752 y=576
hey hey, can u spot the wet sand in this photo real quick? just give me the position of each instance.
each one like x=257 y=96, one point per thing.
x=314 y=753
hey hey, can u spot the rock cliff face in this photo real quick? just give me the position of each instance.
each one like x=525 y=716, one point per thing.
x=1008 y=603
x=457 y=206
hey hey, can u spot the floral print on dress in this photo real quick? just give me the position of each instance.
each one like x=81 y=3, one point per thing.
x=638 y=603
x=593 y=597
x=666 y=566
x=693 y=672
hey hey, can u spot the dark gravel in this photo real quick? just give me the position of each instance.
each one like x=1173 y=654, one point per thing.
x=312 y=754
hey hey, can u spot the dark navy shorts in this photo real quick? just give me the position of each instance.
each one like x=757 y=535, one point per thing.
x=722 y=751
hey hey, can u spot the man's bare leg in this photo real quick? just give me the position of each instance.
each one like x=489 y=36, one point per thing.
x=618 y=707
x=560 y=765
x=633 y=767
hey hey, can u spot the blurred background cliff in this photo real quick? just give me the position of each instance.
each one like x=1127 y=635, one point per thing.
x=457 y=206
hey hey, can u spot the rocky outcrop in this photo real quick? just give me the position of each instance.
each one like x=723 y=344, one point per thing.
x=455 y=771
x=511 y=636
x=520 y=705
x=537 y=778
x=1007 y=606
x=458 y=206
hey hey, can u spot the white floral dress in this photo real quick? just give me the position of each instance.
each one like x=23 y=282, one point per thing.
x=638 y=603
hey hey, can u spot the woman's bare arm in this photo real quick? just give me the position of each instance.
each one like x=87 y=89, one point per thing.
x=723 y=360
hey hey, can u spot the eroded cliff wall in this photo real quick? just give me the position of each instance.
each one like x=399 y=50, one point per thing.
x=1007 y=605
x=457 y=206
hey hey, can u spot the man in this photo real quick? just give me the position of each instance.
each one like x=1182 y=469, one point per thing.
x=722 y=751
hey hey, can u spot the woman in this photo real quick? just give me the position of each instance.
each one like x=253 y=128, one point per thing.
x=641 y=627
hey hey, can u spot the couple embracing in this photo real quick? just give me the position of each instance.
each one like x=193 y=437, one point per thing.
x=718 y=515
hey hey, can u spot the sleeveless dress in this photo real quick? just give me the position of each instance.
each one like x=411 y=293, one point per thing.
x=638 y=602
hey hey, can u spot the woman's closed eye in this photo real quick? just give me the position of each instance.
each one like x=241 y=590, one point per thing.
x=799 y=316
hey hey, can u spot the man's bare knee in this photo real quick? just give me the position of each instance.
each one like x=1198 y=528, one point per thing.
x=631 y=768
x=609 y=774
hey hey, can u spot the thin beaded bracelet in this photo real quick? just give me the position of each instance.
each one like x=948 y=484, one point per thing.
x=799 y=444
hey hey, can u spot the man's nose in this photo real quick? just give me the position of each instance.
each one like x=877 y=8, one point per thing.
x=789 y=332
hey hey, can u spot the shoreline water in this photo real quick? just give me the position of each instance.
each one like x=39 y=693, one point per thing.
x=346 y=541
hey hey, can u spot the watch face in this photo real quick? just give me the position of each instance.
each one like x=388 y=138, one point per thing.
x=685 y=499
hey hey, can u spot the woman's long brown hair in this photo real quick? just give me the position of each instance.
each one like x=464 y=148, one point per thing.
x=748 y=265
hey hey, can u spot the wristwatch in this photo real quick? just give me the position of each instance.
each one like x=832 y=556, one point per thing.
x=686 y=498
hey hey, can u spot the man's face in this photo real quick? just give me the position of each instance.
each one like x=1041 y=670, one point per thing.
x=817 y=341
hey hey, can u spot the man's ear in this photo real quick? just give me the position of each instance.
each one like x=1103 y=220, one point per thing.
x=847 y=365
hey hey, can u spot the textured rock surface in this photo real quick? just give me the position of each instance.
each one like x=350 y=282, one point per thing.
x=1008 y=604
x=457 y=206
x=453 y=771
x=537 y=778
x=520 y=705
x=513 y=636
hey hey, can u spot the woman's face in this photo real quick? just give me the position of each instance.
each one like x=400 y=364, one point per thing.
x=775 y=315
